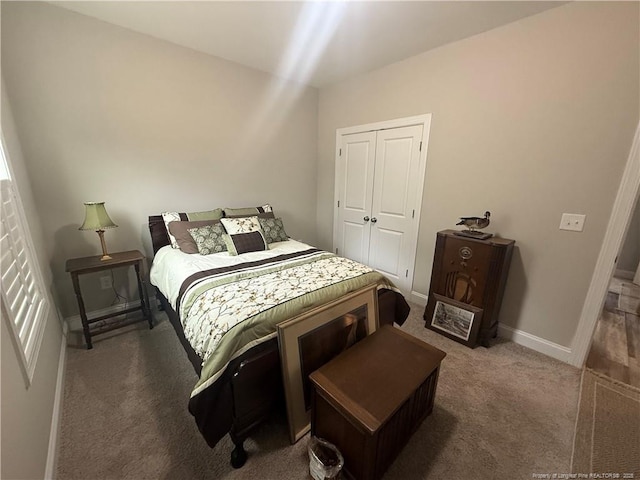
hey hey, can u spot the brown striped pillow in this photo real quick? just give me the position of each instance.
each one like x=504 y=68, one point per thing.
x=240 y=243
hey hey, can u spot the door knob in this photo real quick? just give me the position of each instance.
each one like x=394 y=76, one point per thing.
x=374 y=220
x=366 y=219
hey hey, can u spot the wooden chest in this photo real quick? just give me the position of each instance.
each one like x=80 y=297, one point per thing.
x=370 y=399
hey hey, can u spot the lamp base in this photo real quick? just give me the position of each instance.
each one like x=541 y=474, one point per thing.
x=105 y=255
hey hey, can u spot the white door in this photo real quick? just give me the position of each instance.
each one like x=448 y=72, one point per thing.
x=393 y=222
x=379 y=180
x=355 y=193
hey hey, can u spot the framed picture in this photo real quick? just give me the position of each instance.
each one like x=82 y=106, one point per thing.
x=310 y=340
x=457 y=320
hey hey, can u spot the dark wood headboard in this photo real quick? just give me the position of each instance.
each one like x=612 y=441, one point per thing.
x=159 y=236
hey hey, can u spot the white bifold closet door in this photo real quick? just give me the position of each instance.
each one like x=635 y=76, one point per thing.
x=379 y=187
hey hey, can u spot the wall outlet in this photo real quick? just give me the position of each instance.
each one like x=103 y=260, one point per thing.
x=572 y=221
x=105 y=283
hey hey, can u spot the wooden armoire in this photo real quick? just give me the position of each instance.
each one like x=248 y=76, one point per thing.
x=467 y=283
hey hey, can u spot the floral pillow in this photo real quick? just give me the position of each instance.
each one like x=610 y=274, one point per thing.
x=180 y=231
x=241 y=225
x=244 y=235
x=273 y=230
x=209 y=238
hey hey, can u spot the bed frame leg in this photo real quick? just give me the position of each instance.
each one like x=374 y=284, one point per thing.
x=238 y=455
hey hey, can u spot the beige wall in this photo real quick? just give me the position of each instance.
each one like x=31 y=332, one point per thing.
x=530 y=120
x=106 y=114
x=27 y=412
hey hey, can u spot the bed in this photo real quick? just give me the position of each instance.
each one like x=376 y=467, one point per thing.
x=225 y=308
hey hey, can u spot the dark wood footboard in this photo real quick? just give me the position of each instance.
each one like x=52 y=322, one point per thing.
x=251 y=387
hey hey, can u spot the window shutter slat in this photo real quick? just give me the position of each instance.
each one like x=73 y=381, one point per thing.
x=26 y=327
x=19 y=309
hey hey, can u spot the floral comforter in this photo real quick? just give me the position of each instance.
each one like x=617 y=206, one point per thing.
x=227 y=310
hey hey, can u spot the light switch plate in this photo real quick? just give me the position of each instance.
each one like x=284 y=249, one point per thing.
x=572 y=221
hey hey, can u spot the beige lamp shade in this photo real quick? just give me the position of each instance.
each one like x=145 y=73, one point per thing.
x=96 y=217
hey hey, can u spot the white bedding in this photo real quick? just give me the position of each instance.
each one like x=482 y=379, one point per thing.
x=171 y=267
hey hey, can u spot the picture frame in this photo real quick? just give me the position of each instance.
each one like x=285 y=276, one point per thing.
x=457 y=320
x=308 y=341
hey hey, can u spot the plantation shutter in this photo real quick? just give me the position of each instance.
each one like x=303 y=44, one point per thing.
x=23 y=298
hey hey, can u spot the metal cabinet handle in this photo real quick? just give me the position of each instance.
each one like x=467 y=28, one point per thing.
x=374 y=220
x=366 y=219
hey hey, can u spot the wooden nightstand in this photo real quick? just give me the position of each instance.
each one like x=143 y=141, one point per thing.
x=80 y=266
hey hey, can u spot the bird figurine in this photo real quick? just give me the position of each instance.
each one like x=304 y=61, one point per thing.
x=475 y=223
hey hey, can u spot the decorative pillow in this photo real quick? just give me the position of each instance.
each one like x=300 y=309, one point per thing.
x=209 y=238
x=241 y=225
x=180 y=231
x=169 y=217
x=273 y=230
x=240 y=243
x=264 y=211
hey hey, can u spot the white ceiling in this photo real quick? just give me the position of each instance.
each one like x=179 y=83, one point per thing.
x=317 y=42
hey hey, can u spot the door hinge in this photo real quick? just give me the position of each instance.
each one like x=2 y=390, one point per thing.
x=406 y=273
x=336 y=251
x=338 y=203
x=420 y=146
x=413 y=214
x=340 y=152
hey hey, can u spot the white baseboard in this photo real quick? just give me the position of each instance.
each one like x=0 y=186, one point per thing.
x=624 y=274
x=75 y=323
x=52 y=454
x=419 y=298
x=538 y=344
x=525 y=339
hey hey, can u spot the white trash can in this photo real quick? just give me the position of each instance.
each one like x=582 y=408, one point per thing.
x=325 y=460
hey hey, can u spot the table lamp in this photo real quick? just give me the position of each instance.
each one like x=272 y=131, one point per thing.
x=96 y=218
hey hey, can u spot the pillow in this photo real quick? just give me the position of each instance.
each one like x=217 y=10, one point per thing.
x=265 y=211
x=169 y=217
x=240 y=243
x=241 y=225
x=273 y=229
x=209 y=238
x=184 y=239
x=243 y=235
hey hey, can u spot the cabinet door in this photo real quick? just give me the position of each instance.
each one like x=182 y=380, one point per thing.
x=354 y=181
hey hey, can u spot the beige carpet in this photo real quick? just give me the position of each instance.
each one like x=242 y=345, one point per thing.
x=504 y=412
x=607 y=438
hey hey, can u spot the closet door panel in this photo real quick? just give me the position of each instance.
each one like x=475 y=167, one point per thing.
x=384 y=253
x=355 y=242
x=394 y=202
x=393 y=170
x=356 y=170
